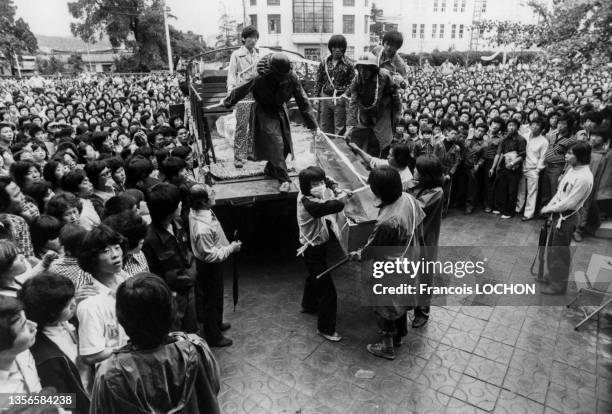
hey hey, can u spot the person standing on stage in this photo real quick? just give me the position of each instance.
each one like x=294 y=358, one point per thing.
x=334 y=77
x=272 y=88
x=389 y=59
x=374 y=108
x=573 y=190
x=243 y=68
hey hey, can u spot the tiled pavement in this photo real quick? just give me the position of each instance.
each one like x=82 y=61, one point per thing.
x=465 y=360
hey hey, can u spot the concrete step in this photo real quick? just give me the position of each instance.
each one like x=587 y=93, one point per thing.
x=605 y=230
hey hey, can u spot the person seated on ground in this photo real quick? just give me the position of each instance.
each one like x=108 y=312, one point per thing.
x=399 y=158
x=50 y=303
x=157 y=371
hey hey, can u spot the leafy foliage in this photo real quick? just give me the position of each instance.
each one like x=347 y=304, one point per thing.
x=76 y=62
x=49 y=66
x=15 y=35
x=376 y=27
x=228 y=34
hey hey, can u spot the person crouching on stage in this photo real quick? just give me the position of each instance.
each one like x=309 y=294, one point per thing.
x=374 y=108
x=334 y=77
x=399 y=225
x=573 y=190
x=211 y=249
x=313 y=207
x=272 y=88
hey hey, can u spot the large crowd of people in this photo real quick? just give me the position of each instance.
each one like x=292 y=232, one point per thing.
x=108 y=242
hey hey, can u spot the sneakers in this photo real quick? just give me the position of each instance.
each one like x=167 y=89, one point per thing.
x=419 y=321
x=335 y=337
x=468 y=210
x=381 y=351
x=526 y=218
x=496 y=212
x=505 y=216
x=487 y=210
x=221 y=343
x=225 y=326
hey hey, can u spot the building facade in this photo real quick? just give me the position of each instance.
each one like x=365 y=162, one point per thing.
x=305 y=26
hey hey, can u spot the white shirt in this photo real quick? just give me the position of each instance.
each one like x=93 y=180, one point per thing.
x=208 y=241
x=405 y=173
x=98 y=325
x=535 y=151
x=573 y=190
x=243 y=66
x=64 y=336
x=22 y=377
x=89 y=217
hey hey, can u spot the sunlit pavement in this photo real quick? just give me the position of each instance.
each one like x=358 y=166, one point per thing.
x=467 y=359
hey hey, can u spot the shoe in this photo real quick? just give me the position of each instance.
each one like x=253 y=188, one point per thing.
x=526 y=218
x=468 y=210
x=335 y=337
x=549 y=290
x=505 y=216
x=225 y=326
x=496 y=212
x=308 y=311
x=238 y=163
x=221 y=343
x=285 y=187
x=487 y=210
x=577 y=236
x=419 y=321
x=380 y=351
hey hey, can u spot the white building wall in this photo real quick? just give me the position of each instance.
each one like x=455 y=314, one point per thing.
x=310 y=42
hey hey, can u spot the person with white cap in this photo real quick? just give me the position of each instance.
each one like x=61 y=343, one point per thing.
x=375 y=106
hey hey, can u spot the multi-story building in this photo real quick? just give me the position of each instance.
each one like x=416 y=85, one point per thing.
x=305 y=26
x=446 y=24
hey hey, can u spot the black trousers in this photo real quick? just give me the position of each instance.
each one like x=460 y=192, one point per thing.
x=320 y=294
x=397 y=327
x=473 y=187
x=549 y=181
x=185 y=318
x=558 y=254
x=489 y=185
x=506 y=190
x=209 y=298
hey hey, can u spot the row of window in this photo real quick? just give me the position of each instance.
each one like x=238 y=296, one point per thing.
x=437 y=31
x=319 y=22
x=314 y=53
x=346 y=3
x=440 y=5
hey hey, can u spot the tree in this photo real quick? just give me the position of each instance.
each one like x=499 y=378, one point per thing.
x=49 y=66
x=509 y=35
x=376 y=27
x=76 y=61
x=186 y=45
x=15 y=35
x=228 y=35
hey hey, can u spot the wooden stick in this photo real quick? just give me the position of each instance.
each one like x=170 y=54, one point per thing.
x=337 y=265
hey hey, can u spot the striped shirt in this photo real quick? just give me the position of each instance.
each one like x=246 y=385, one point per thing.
x=557 y=149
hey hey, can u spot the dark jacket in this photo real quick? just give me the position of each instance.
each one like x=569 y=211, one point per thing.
x=180 y=376
x=56 y=370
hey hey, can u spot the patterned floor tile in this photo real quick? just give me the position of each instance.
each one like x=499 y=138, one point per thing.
x=500 y=333
x=535 y=343
x=510 y=403
x=460 y=339
x=604 y=389
x=480 y=312
x=233 y=402
x=422 y=400
x=604 y=407
x=477 y=393
x=486 y=370
x=456 y=406
x=532 y=385
x=571 y=401
x=571 y=377
x=469 y=324
x=547 y=328
x=529 y=362
x=493 y=350
x=432 y=330
x=508 y=316
x=453 y=358
x=439 y=378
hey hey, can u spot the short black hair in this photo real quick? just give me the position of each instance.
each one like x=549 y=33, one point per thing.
x=43 y=229
x=60 y=203
x=172 y=166
x=249 y=31
x=10 y=308
x=114 y=164
x=94 y=243
x=601 y=131
x=45 y=296
x=402 y=155
x=37 y=190
x=162 y=199
x=431 y=171
x=337 y=40
x=582 y=152
x=49 y=173
x=71 y=237
x=198 y=196
x=72 y=180
x=309 y=175
x=93 y=170
x=386 y=184
x=8 y=254
x=393 y=38
x=182 y=152
x=137 y=169
x=19 y=170
x=118 y=204
x=130 y=225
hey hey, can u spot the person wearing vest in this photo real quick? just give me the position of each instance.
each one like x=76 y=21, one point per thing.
x=573 y=190
x=334 y=78
x=389 y=59
x=313 y=207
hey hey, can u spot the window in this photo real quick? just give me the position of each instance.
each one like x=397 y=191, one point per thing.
x=365 y=3
x=455 y=6
x=434 y=29
x=460 y=31
x=484 y=6
x=253 y=2
x=253 y=19
x=462 y=6
x=313 y=16
x=350 y=52
x=312 y=53
x=422 y=32
x=348 y=24
x=274 y=24
x=391 y=27
x=348 y=3
x=435 y=6
x=443 y=6
x=273 y=2
x=414 y=31
x=441 y=31
x=366 y=24
x=366 y=49
x=453 y=31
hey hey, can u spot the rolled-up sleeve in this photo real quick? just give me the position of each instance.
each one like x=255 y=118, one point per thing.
x=207 y=249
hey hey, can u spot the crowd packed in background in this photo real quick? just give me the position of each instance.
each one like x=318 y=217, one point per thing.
x=99 y=196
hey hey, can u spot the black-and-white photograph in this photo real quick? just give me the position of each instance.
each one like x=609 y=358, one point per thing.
x=306 y=206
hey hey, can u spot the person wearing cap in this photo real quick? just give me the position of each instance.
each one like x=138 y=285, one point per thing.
x=334 y=77
x=374 y=108
x=274 y=85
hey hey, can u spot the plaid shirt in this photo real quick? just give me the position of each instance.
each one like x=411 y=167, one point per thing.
x=20 y=234
x=69 y=267
x=341 y=76
x=136 y=263
x=557 y=149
